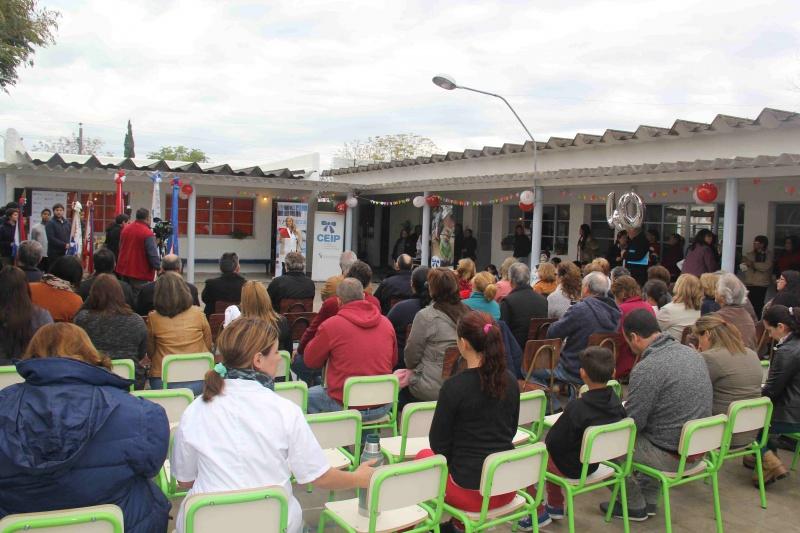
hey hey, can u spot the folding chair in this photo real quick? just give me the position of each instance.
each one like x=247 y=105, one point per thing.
x=9 y=376
x=124 y=368
x=364 y=391
x=401 y=497
x=285 y=366
x=504 y=472
x=174 y=401
x=745 y=416
x=697 y=437
x=294 y=391
x=244 y=511
x=96 y=519
x=415 y=425
x=532 y=408
x=180 y=368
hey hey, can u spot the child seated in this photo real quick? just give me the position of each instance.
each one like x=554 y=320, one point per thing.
x=599 y=405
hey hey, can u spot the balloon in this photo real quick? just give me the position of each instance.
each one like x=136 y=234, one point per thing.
x=433 y=201
x=187 y=189
x=341 y=207
x=418 y=201
x=628 y=213
x=526 y=197
x=352 y=202
x=526 y=207
x=183 y=196
x=706 y=193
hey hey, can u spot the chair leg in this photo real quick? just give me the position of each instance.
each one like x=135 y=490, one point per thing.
x=760 y=472
x=612 y=502
x=570 y=510
x=322 y=520
x=667 y=509
x=626 y=522
x=717 y=509
x=796 y=456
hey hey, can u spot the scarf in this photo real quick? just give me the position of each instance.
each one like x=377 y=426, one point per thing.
x=56 y=283
x=245 y=373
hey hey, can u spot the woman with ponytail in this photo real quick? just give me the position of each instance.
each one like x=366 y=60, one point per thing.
x=476 y=414
x=482 y=296
x=241 y=435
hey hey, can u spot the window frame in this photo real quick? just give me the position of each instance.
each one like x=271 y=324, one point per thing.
x=208 y=221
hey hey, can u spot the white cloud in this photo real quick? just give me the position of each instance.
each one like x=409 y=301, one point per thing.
x=260 y=81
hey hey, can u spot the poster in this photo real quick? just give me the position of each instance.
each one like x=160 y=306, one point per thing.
x=328 y=245
x=285 y=240
x=45 y=200
x=443 y=224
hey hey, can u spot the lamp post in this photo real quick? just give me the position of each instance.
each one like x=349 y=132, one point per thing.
x=448 y=83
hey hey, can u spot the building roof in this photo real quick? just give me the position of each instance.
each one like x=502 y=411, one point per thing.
x=768 y=118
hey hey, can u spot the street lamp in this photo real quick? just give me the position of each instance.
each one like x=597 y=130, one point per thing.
x=447 y=82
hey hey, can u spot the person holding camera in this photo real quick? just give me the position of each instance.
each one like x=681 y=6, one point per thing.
x=138 y=258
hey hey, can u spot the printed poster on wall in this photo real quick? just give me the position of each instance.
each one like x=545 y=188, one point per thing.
x=328 y=245
x=291 y=224
x=45 y=200
x=443 y=225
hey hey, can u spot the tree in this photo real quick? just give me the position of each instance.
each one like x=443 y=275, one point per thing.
x=179 y=153
x=70 y=145
x=129 y=152
x=388 y=148
x=23 y=26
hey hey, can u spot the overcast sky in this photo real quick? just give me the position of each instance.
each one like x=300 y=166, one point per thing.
x=265 y=80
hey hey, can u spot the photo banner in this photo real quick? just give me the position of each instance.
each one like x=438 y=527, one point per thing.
x=328 y=245
x=284 y=242
x=45 y=200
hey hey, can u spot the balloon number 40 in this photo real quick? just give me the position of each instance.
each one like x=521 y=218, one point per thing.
x=627 y=213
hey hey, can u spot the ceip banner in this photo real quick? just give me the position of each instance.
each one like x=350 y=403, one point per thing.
x=328 y=245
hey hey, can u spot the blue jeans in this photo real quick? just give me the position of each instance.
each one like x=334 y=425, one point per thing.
x=195 y=386
x=777 y=429
x=542 y=377
x=312 y=376
x=320 y=402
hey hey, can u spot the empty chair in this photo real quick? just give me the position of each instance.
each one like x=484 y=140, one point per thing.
x=124 y=368
x=532 y=408
x=95 y=519
x=9 y=376
x=334 y=432
x=415 y=424
x=174 y=401
x=294 y=391
x=243 y=511
x=364 y=391
x=182 y=368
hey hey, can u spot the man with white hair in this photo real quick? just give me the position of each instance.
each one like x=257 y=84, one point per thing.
x=522 y=303
x=346 y=260
x=29 y=257
x=731 y=295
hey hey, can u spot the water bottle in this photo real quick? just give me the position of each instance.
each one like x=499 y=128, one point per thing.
x=372 y=451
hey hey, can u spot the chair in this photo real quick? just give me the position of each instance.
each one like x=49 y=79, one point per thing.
x=764 y=371
x=611 y=341
x=613 y=383
x=540 y=355
x=244 y=511
x=766 y=344
x=610 y=446
x=795 y=437
x=334 y=432
x=174 y=401
x=9 y=376
x=745 y=416
x=215 y=322
x=180 y=368
x=697 y=437
x=538 y=328
x=297 y=305
x=364 y=391
x=294 y=391
x=96 y=519
x=415 y=425
x=451 y=365
x=503 y=472
x=532 y=408
x=284 y=368
x=298 y=323
x=124 y=368
x=221 y=305
x=401 y=497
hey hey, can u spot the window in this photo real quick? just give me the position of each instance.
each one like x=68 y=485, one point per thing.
x=787 y=222
x=105 y=210
x=555 y=226
x=215 y=215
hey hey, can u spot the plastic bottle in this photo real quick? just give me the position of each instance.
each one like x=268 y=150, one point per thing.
x=372 y=451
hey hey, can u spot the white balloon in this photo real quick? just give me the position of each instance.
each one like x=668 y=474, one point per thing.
x=351 y=202
x=418 y=201
x=526 y=197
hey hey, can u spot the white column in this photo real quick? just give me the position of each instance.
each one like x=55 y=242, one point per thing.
x=536 y=228
x=426 y=232
x=3 y=193
x=731 y=224
x=348 y=226
x=190 y=223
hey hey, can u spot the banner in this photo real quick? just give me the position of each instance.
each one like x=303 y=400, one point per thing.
x=443 y=225
x=45 y=200
x=328 y=245
x=291 y=228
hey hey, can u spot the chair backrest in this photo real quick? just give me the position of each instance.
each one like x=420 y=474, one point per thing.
x=284 y=367
x=702 y=435
x=687 y=331
x=450 y=364
x=541 y=354
x=297 y=305
x=299 y=323
x=613 y=384
x=535 y=329
x=611 y=341
x=294 y=391
x=370 y=390
x=95 y=519
x=179 y=368
x=337 y=429
x=608 y=441
x=124 y=368
x=513 y=470
x=251 y=510
x=532 y=407
x=417 y=419
x=215 y=322
x=405 y=484
x=749 y=415
x=174 y=401
x=764 y=371
x=221 y=305
x=9 y=376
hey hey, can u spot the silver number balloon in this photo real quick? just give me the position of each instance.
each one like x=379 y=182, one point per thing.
x=628 y=213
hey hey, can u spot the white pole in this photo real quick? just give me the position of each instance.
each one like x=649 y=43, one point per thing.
x=536 y=228
x=348 y=225
x=190 y=223
x=731 y=225
x=426 y=232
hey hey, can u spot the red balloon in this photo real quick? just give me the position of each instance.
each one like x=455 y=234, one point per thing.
x=526 y=207
x=187 y=189
x=433 y=201
x=707 y=193
x=341 y=207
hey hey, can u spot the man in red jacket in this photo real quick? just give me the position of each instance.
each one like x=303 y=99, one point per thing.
x=358 y=341
x=138 y=258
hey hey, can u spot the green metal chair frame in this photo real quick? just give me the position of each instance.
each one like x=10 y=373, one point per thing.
x=287 y=364
x=537 y=452
x=622 y=465
x=613 y=383
x=156 y=394
x=196 y=503
x=353 y=415
x=67 y=517
x=406 y=427
x=368 y=380
x=685 y=449
x=172 y=358
x=795 y=437
x=127 y=364
x=534 y=428
x=295 y=385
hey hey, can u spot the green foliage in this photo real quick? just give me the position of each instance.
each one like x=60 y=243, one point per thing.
x=388 y=148
x=179 y=153
x=23 y=26
x=128 y=145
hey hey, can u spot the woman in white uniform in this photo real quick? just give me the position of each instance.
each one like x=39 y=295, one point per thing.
x=241 y=435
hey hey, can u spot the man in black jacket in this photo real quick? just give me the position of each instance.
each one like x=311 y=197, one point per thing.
x=522 y=303
x=114 y=231
x=637 y=254
x=398 y=286
x=169 y=263
x=58 y=232
x=227 y=287
x=104 y=263
x=293 y=284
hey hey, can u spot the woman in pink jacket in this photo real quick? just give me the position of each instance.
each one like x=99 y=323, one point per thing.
x=628 y=296
x=700 y=258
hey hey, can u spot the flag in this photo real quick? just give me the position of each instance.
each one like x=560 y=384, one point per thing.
x=88 y=243
x=119 y=179
x=155 y=204
x=173 y=245
x=19 y=229
x=75 y=238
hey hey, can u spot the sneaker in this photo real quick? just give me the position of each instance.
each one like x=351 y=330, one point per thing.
x=556 y=513
x=637 y=515
x=526 y=524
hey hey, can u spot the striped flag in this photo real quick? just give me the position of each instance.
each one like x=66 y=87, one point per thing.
x=19 y=229
x=88 y=243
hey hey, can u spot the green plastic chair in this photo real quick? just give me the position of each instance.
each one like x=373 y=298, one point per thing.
x=103 y=519
x=265 y=509
x=124 y=368
x=610 y=446
x=415 y=425
x=795 y=437
x=285 y=366
x=180 y=368
x=363 y=391
x=504 y=472
x=532 y=409
x=174 y=401
x=613 y=383
x=294 y=391
x=697 y=437
x=401 y=497
x=744 y=416
x=9 y=376
x=334 y=432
